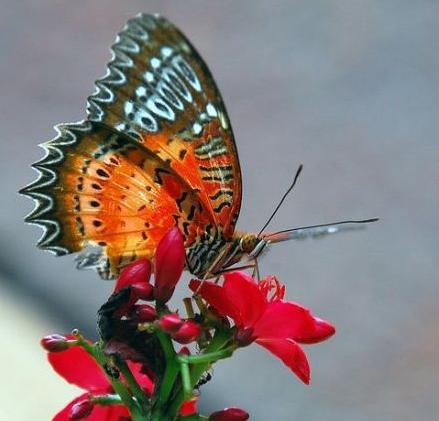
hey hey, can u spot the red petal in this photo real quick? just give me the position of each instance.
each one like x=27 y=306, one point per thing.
x=142 y=379
x=285 y=320
x=80 y=369
x=322 y=330
x=189 y=407
x=291 y=354
x=134 y=273
x=215 y=295
x=169 y=264
x=108 y=413
x=243 y=293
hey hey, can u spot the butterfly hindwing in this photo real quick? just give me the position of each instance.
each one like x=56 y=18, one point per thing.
x=159 y=91
x=99 y=187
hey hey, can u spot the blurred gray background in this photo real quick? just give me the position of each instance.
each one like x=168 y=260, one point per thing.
x=349 y=89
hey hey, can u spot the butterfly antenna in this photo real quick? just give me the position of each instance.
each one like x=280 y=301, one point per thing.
x=313 y=229
x=299 y=170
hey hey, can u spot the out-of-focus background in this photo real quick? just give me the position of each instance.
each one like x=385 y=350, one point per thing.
x=350 y=89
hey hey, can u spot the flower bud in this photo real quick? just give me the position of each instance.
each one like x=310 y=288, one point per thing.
x=244 y=336
x=229 y=414
x=188 y=332
x=170 y=323
x=184 y=350
x=54 y=343
x=169 y=264
x=143 y=291
x=146 y=313
x=80 y=410
x=137 y=272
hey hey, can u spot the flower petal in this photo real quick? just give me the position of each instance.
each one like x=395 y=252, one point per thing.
x=63 y=415
x=142 y=379
x=108 y=413
x=169 y=264
x=215 y=295
x=285 y=320
x=322 y=330
x=291 y=354
x=189 y=407
x=244 y=295
x=77 y=367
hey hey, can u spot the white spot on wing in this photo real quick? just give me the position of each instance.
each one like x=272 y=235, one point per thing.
x=211 y=110
x=155 y=62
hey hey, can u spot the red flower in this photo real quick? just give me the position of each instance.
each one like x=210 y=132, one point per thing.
x=169 y=265
x=77 y=367
x=261 y=315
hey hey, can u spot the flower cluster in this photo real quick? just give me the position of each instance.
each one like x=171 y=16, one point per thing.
x=151 y=361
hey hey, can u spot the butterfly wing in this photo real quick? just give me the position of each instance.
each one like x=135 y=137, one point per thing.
x=159 y=91
x=99 y=187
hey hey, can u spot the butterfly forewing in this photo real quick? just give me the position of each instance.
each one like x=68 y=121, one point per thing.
x=159 y=91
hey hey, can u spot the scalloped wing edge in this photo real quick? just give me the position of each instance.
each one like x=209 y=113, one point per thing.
x=126 y=43
x=38 y=190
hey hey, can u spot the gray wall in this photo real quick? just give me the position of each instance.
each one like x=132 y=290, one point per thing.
x=350 y=89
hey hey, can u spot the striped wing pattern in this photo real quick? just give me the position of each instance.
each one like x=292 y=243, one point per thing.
x=158 y=90
x=156 y=150
x=110 y=192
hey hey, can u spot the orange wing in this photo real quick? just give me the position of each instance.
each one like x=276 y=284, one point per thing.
x=159 y=91
x=100 y=187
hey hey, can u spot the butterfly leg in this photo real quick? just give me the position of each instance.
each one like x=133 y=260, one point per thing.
x=210 y=272
x=256 y=274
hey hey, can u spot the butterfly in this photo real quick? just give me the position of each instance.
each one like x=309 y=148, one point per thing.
x=156 y=150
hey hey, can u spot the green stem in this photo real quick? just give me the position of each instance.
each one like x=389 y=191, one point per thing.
x=136 y=390
x=106 y=400
x=206 y=357
x=96 y=352
x=186 y=379
x=219 y=341
x=171 y=373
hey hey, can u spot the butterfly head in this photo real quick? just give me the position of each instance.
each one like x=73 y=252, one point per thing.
x=252 y=245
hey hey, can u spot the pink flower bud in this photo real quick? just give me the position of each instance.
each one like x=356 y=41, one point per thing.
x=80 y=410
x=143 y=291
x=188 y=332
x=146 y=313
x=54 y=343
x=229 y=414
x=184 y=350
x=169 y=264
x=137 y=272
x=170 y=323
